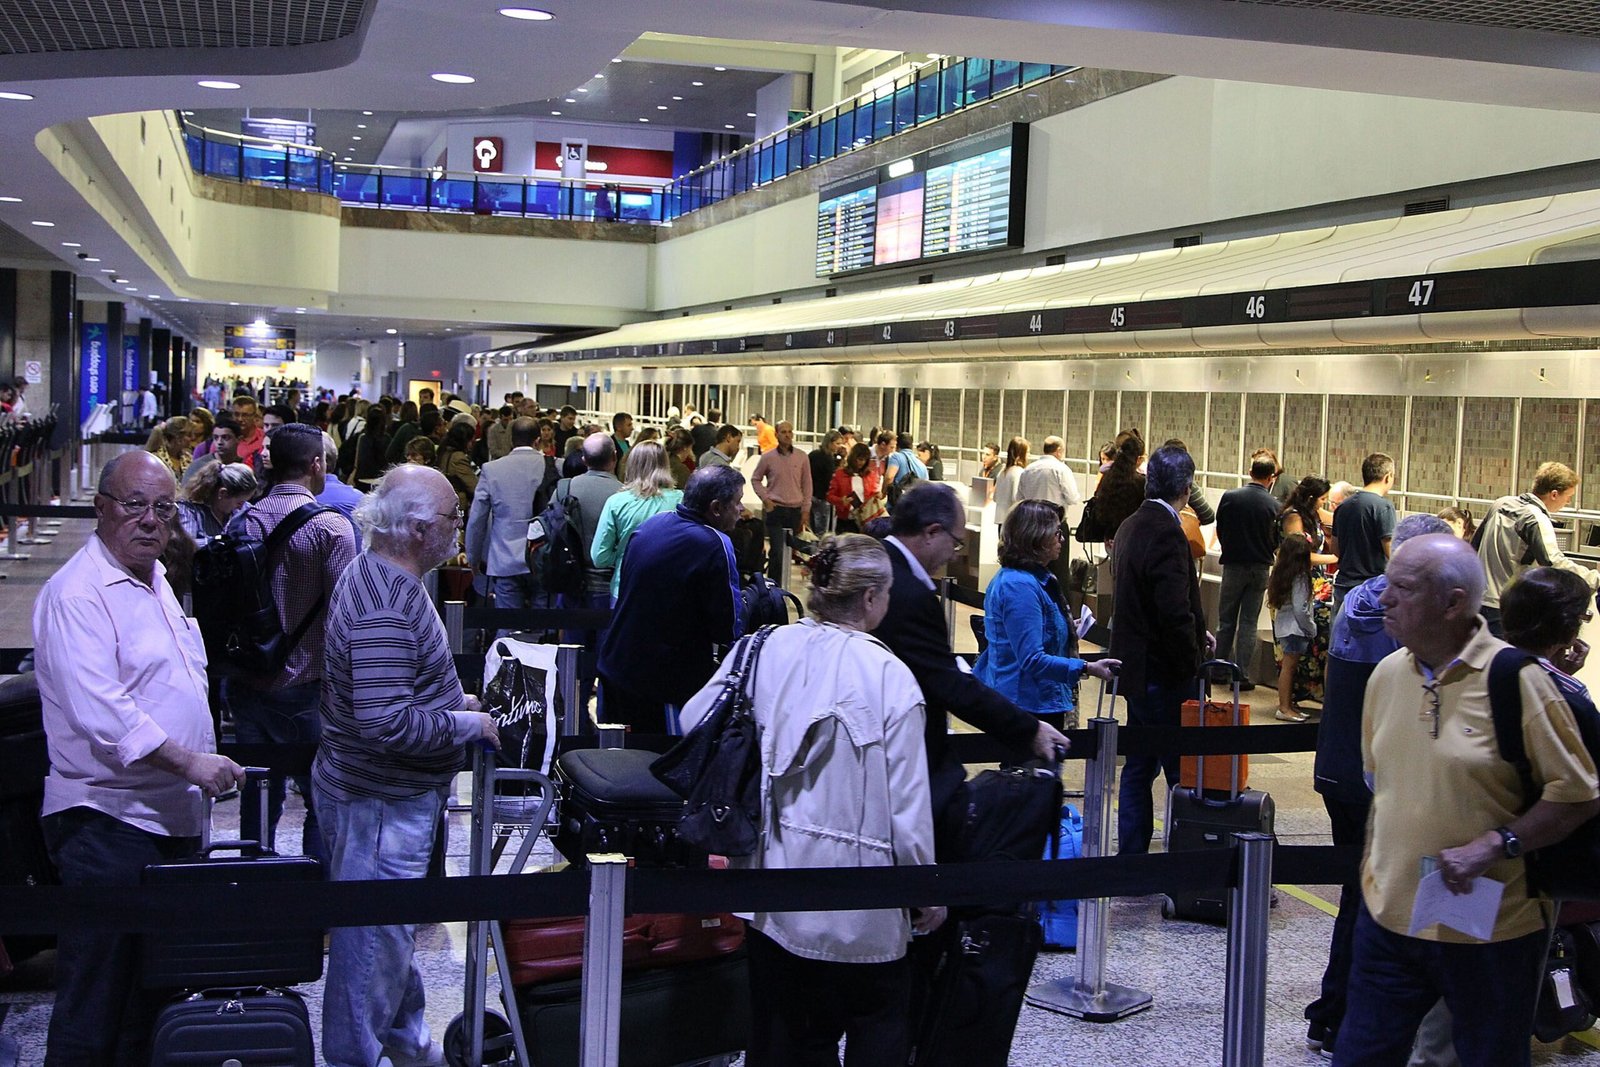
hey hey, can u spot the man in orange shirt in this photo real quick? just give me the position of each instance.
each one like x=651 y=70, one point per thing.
x=766 y=436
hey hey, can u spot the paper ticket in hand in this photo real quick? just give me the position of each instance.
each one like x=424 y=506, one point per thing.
x=1472 y=913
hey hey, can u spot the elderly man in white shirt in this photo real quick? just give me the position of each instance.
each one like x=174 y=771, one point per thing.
x=1049 y=478
x=122 y=674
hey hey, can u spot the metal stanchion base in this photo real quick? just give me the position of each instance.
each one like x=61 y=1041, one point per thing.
x=1067 y=997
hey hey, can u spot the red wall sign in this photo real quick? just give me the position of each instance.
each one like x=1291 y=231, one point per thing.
x=488 y=155
x=633 y=162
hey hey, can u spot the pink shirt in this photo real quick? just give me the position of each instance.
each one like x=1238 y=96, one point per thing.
x=120 y=670
x=783 y=480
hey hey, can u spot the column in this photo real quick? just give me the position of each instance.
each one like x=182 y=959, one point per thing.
x=160 y=355
x=65 y=357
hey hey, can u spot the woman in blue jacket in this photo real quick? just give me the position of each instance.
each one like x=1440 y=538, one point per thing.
x=1031 y=642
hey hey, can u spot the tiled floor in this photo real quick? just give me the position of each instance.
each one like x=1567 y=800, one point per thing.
x=1179 y=964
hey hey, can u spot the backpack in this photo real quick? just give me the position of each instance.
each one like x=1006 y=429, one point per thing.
x=1567 y=869
x=556 y=554
x=232 y=596
x=763 y=603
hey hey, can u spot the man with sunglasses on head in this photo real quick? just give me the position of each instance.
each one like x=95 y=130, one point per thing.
x=122 y=676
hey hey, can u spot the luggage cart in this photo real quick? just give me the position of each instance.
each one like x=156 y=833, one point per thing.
x=479 y=1036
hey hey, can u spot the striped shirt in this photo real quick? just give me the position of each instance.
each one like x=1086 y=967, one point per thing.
x=392 y=724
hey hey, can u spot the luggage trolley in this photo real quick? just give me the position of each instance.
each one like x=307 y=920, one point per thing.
x=479 y=1036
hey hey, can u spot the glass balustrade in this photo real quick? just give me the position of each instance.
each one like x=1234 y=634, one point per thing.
x=921 y=96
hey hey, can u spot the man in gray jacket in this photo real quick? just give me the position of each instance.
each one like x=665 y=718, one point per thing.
x=511 y=491
x=1518 y=534
x=591 y=489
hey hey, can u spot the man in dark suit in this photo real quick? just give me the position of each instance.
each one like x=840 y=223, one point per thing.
x=1158 y=630
x=929 y=527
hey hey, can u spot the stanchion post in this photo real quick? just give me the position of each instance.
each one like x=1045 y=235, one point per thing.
x=1244 y=1019
x=784 y=560
x=430 y=583
x=1091 y=998
x=455 y=625
x=477 y=963
x=600 y=1031
x=572 y=714
x=947 y=602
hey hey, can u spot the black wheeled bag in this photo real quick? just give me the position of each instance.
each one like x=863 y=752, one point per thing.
x=24 y=762
x=250 y=1027
x=979 y=978
x=1199 y=817
x=672 y=1015
x=610 y=802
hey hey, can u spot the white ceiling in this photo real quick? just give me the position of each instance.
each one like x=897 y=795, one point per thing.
x=385 y=67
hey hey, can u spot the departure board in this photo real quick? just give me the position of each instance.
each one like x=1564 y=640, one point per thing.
x=963 y=197
x=846 y=229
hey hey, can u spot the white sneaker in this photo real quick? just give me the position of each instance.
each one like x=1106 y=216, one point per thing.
x=432 y=1056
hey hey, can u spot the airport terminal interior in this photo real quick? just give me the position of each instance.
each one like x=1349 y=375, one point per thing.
x=1328 y=228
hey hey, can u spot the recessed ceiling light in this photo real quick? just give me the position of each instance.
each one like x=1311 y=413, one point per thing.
x=618 y=60
x=697 y=83
x=366 y=112
x=719 y=68
x=749 y=114
x=355 y=137
x=233 y=303
x=153 y=296
x=361 y=125
x=213 y=84
x=15 y=96
x=599 y=75
x=677 y=98
x=70 y=244
x=453 y=79
x=391 y=330
x=10 y=199
x=661 y=107
x=92 y=259
x=727 y=125
x=568 y=100
x=555 y=112
x=132 y=289
x=582 y=90
x=526 y=14
x=41 y=222
x=299 y=311
x=107 y=270
x=644 y=120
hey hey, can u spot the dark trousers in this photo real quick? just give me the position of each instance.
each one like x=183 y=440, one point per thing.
x=1492 y=617
x=1349 y=820
x=779 y=519
x=102 y=1016
x=286 y=716
x=1239 y=612
x=1158 y=706
x=642 y=713
x=589 y=657
x=1395 y=981
x=801 y=1008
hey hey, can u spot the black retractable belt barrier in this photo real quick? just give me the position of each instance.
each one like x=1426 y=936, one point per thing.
x=971 y=598
x=1315 y=864
x=1215 y=740
x=537 y=618
x=47 y=511
x=283 y=758
x=36 y=909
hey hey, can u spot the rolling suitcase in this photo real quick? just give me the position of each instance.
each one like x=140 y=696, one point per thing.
x=979 y=978
x=610 y=802
x=1205 y=712
x=24 y=762
x=231 y=1012
x=1201 y=817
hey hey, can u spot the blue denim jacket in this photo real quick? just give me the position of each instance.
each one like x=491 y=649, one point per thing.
x=1027 y=660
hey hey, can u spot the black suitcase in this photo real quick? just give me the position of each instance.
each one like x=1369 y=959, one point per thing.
x=247 y=1027
x=976 y=988
x=1196 y=820
x=670 y=1015
x=610 y=802
x=24 y=762
x=263 y=953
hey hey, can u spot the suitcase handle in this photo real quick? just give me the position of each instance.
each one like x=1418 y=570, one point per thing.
x=1116 y=678
x=1236 y=677
x=262 y=775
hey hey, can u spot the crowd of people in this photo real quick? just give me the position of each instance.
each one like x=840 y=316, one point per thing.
x=853 y=701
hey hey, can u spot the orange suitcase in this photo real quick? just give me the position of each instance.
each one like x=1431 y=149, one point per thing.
x=1218 y=769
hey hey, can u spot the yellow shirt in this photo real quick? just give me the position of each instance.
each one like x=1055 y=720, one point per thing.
x=1433 y=793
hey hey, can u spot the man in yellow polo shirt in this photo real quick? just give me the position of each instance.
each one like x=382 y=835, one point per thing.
x=1444 y=799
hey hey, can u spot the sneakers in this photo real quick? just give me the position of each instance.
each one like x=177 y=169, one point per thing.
x=1320 y=1039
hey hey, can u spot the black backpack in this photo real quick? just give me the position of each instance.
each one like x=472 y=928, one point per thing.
x=764 y=603
x=1570 y=868
x=233 y=601
x=555 y=545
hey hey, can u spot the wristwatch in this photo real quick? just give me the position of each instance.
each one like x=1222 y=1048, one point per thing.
x=1510 y=843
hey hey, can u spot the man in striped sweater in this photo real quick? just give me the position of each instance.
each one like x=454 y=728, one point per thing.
x=394 y=722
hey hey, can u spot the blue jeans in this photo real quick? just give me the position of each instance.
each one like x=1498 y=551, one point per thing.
x=102 y=1014
x=1396 y=980
x=512 y=590
x=1239 y=612
x=373 y=999
x=285 y=716
x=589 y=658
x=1159 y=706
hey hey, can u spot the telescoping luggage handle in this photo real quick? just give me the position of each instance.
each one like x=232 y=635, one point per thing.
x=1111 y=687
x=1236 y=678
x=262 y=778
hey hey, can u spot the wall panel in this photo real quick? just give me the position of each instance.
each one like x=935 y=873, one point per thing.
x=1486 y=447
x=1223 y=455
x=944 y=419
x=1260 y=425
x=1104 y=417
x=1302 y=436
x=1045 y=416
x=1549 y=432
x=1431 y=464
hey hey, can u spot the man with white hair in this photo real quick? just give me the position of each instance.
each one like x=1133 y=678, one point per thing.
x=395 y=721
x=1447 y=805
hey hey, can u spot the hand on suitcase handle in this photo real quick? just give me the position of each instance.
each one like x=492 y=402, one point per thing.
x=1104 y=669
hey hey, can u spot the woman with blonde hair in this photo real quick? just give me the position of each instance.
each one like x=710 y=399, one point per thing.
x=211 y=497
x=844 y=783
x=170 y=442
x=648 y=492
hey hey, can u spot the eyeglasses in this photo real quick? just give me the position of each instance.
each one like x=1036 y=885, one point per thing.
x=1064 y=531
x=134 y=509
x=459 y=515
x=1431 y=712
x=958 y=542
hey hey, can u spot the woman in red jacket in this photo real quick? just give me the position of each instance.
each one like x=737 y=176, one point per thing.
x=856 y=491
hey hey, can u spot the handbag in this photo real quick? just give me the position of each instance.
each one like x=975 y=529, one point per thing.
x=873 y=507
x=716 y=768
x=1089 y=531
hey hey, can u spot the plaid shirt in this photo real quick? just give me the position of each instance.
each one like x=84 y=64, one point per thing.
x=304 y=574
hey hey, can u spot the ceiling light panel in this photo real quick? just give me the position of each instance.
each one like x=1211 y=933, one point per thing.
x=45 y=26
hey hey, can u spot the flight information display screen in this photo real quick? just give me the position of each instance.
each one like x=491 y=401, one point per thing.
x=959 y=198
